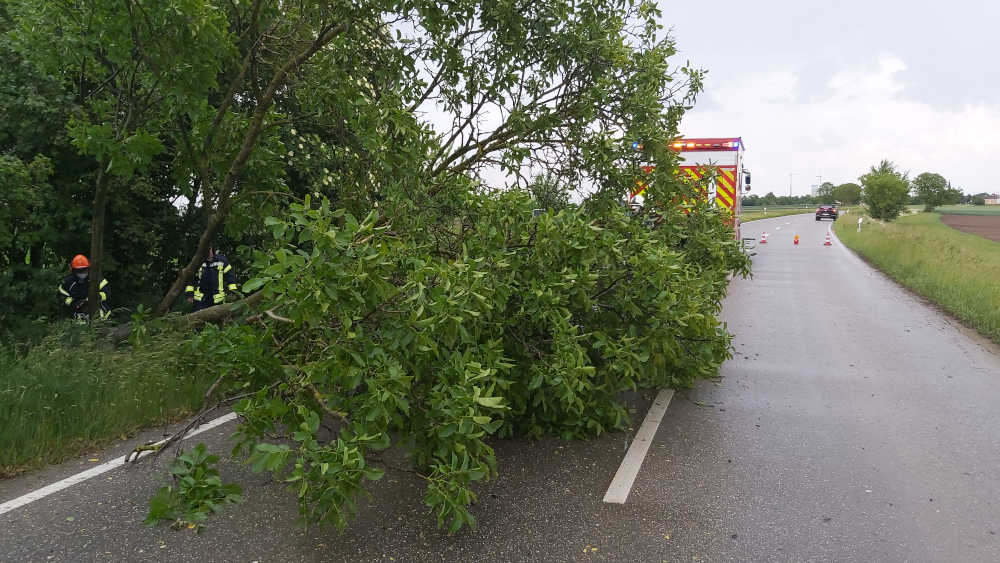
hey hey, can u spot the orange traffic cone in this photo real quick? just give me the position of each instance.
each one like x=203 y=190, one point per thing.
x=827 y=243
x=796 y=239
x=763 y=238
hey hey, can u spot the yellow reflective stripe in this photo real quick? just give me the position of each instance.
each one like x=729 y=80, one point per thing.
x=231 y=287
x=198 y=295
x=104 y=296
x=228 y=267
x=189 y=289
x=219 y=287
x=63 y=291
x=103 y=283
x=68 y=301
x=219 y=298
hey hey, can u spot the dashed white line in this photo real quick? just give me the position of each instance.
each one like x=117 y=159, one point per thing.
x=97 y=470
x=621 y=485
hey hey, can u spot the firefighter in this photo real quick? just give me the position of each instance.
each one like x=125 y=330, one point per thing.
x=75 y=287
x=215 y=278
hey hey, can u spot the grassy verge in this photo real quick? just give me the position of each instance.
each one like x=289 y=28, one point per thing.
x=747 y=216
x=956 y=270
x=70 y=393
x=969 y=210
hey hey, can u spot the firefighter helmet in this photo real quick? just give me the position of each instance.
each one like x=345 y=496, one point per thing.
x=79 y=262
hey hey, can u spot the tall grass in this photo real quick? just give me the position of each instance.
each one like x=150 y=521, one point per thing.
x=70 y=393
x=956 y=270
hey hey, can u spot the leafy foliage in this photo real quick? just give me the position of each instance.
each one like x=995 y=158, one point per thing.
x=847 y=194
x=885 y=191
x=425 y=310
x=515 y=325
x=548 y=194
x=933 y=190
x=412 y=298
x=825 y=191
x=197 y=492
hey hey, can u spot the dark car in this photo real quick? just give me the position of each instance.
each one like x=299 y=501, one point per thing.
x=828 y=211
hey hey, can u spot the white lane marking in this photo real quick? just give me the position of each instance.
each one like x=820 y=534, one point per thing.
x=777 y=228
x=621 y=485
x=97 y=470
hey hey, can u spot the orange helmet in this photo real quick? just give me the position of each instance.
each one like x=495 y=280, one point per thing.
x=79 y=261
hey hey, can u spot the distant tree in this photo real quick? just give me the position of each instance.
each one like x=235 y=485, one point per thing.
x=932 y=189
x=847 y=194
x=549 y=193
x=953 y=195
x=978 y=199
x=885 y=190
x=769 y=199
x=825 y=191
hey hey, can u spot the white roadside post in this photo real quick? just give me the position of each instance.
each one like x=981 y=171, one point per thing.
x=859 y=224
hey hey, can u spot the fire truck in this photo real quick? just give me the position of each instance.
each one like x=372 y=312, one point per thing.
x=722 y=158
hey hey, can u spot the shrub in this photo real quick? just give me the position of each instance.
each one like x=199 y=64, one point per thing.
x=885 y=191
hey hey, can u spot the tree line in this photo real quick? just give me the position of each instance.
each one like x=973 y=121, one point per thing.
x=884 y=188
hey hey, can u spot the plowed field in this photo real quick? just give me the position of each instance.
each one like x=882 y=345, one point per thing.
x=987 y=226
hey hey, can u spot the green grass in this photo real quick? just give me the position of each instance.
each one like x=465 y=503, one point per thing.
x=956 y=270
x=748 y=216
x=69 y=394
x=969 y=209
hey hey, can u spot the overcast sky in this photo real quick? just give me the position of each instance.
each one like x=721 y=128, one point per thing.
x=831 y=88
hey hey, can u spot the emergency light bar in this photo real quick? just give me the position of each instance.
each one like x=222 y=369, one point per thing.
x=726 y=144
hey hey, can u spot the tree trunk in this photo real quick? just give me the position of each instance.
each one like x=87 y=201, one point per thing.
x=101 y=196
x=187 y=272
x=227 y=186
x=215 y=314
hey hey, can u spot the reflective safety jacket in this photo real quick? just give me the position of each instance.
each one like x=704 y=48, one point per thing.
x=215 y=278
x=73 y=292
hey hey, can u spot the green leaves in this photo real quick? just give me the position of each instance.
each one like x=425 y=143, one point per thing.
x=125 y=155
x=412 y=299
x=490 y=402
x=885 y=191
x=464 y=320
x=197 y=491
x=933 y=190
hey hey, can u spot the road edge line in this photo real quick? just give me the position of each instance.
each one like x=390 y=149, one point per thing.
x=53 y=488
x=621 y=484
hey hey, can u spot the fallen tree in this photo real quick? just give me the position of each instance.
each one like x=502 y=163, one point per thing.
x=413 y=297
x=215 y=314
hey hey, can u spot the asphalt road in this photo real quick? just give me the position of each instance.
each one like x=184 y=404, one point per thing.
x=854 y=423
